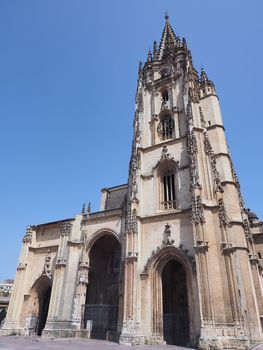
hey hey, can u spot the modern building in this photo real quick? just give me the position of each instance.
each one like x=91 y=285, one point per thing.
x=173 y=255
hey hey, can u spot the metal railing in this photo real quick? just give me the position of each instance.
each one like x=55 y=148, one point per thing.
x=168 y=205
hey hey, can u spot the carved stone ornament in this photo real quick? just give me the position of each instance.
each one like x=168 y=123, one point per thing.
x=28 y=235
x=167 y=243
x=137 y=133
x=47 y=267
x=198 y=216
x=165 y=154
x=140 y=72
x=201 y=246
x=185 y=85
x=202 y=118
x=140 y=101
x=191 y=152
x=247 y=230
x=134 y=189
x=189 y=114
x=164 y=105
x=194 y=94
x=65 y=229
x=223 y=219
x=135 y=159
x=84 y=235
x=136 y=127
x=135 y=164
x=83 y=277
x=236 y=180
x=210 y=153
x=166 y=235
x=132 y=223
x=208 y=148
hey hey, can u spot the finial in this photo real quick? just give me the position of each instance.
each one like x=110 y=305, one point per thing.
x=89 y=209
x=150 y=57
x=155 y=50
x=166 y=16
x=83 y=209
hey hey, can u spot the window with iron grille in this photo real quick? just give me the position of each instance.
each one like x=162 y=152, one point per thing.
x=168 y=190
x=165 y=128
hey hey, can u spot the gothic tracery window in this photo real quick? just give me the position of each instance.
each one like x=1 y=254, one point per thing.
x=165 y=128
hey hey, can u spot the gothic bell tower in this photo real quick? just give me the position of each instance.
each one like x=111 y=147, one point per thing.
x=189 y=273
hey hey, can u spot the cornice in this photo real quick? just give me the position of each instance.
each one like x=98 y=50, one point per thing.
x=48 y=247
x=166 y=214
x=159 y=145
x=103 y=214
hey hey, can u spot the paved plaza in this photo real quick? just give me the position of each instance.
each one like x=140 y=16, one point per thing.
x=37 y=343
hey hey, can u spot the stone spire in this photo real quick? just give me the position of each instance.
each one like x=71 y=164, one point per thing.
x=168 y=41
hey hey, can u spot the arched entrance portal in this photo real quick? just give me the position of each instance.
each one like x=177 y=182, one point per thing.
x=175 y=305
x=40 y=297
x=101 y=307
x=43 y=310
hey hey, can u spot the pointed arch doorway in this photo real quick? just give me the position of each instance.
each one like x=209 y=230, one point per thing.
x=102 y=298
x=43 y=310
x=40 y=298
x=174 y=307
x=175 y=304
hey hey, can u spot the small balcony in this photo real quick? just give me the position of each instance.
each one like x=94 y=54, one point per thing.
x=166 y=205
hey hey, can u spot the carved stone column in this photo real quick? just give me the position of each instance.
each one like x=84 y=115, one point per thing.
x=80 y=298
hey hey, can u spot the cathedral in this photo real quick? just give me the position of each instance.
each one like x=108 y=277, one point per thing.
x=173 y=256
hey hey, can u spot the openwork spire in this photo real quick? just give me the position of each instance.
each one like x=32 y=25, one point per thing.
x=168 y=41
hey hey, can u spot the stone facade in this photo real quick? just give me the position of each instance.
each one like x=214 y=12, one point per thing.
x=173 y=255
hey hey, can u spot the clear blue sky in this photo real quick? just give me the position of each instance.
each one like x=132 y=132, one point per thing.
x=68 y=71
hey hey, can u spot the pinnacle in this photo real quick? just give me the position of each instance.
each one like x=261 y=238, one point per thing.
x=168 y=41
x=203 y=77
x=140 y=69
x=155 y=50
x=149 y=58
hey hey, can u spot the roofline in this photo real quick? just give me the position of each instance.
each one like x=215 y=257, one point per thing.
x=113 y=188
x=54 y=222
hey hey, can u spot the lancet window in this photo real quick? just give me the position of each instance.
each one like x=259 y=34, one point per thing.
x=165 y=96
x=168 y=193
